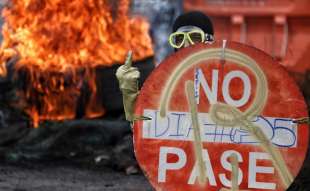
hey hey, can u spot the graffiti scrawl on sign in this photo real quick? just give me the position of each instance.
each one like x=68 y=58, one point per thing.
x=221 y=119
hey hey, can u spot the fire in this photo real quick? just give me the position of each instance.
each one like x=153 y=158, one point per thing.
x=59 y=44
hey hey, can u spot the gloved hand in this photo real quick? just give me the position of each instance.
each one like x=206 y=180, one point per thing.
x=128 y=82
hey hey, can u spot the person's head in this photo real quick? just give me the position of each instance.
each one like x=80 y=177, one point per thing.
x=191 y=28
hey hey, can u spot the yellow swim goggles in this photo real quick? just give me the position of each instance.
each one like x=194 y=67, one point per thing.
x=177 y=39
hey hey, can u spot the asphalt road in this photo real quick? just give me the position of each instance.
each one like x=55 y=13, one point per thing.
x=68 y=178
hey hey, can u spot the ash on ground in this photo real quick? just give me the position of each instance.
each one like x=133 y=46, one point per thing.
x=68 y=178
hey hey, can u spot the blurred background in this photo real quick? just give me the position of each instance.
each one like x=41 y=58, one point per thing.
x=61 y=113
x=280 y=28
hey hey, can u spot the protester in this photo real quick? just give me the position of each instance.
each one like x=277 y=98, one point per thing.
x=188 y=29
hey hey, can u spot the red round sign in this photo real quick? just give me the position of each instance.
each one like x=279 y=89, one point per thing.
x=221 y=118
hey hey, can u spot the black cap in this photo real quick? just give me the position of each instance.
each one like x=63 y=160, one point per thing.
x=194 y=18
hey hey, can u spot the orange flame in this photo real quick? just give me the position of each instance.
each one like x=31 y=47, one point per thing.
x=60 y=42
